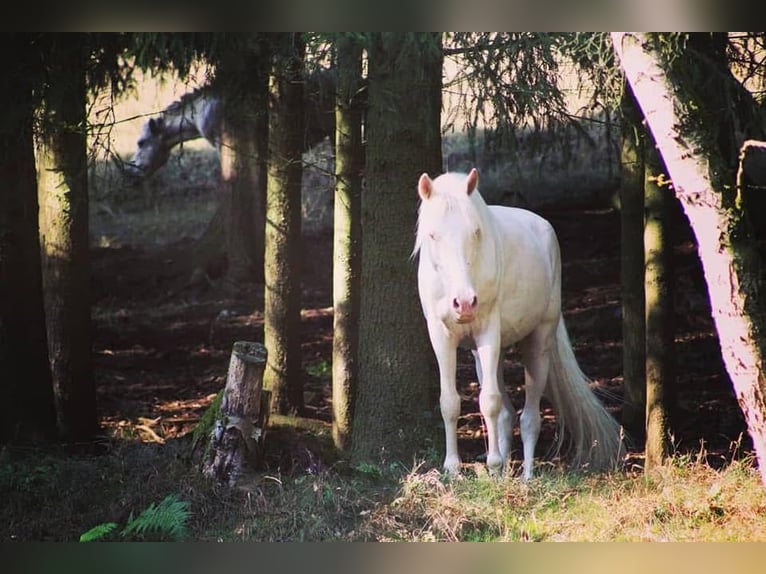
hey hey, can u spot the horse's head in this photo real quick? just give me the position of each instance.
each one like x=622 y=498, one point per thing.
x=152 y=151
x=454 y=240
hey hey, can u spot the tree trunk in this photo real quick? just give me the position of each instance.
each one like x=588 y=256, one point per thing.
x=63 y=195
x=660 y=333
x=632 y=271
x=244 y=77
x=211 y=253
x=729 y=259
x=398 y=385
x=282 y=303
x=237 y=437
x=27 y=413
x=347 y=237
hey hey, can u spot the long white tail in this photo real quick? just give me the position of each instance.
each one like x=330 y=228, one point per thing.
x=586 y=429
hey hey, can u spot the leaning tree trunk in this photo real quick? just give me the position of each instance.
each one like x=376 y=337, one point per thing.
x=281 y=331
x=632 y=271
x=729 y=260
x=660 y=332
x=347 y=237
x=63 y=195
x=27 y=412
x=397 y=391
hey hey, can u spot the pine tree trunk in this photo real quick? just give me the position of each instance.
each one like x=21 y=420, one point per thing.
x=281 y=330
x=660 y=373
x=244 y=77
x=63 y=196
x=394 y=412
x=27 y=412
x=241 y=220
x=347 y=237
x=632 y=271
x=729 y=259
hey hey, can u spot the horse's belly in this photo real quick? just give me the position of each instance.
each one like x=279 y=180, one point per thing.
x=517 y=323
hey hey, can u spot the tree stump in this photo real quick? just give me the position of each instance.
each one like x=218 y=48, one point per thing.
x=236 y=440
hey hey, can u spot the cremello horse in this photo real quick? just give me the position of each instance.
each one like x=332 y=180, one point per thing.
x=199 y=114
x=194 y=115
x=490 y=277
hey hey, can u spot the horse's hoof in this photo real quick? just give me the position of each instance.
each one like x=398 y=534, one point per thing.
x=452 y=467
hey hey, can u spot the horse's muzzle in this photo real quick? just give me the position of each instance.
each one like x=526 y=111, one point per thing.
x=464 y=308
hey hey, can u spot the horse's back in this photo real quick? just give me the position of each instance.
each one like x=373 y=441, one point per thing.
x=210 y=120
x=525 y=227
x=531 y=283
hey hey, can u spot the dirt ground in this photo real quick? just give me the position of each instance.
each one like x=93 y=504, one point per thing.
x=162 y=347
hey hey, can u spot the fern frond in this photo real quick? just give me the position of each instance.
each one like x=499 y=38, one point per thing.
x=166 y=519
x=98 y=532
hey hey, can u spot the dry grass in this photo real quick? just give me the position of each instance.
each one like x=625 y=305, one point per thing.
x=58 y=496
x=685 y=500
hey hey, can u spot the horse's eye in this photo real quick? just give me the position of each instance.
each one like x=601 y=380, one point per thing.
x=141 y=143
x=433 y=236
x=477 y=232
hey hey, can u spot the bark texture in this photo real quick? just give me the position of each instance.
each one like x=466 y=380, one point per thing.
x=660 y=332
x=347 y=237
x=281 y=332
x=27 y=413
x=729 y=259
x=632 y=271
x=244 y=139
x=394 y=416
x=62 y=180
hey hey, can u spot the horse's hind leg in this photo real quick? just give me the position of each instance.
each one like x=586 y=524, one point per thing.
x=535 y=352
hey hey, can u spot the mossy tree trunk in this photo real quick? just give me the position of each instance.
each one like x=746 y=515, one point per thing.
x=632 y=271
x=660 y=331
x=62 y=180
x=27 y=413
x=397 y=391
x=347 y=235
x=705 y=185
x=283 y=376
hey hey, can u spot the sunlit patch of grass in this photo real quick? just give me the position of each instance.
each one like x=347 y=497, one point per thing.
x=684 y=500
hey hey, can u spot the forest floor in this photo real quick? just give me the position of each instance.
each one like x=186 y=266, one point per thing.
x=162 y=345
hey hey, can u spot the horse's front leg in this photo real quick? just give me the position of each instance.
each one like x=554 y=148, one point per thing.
x=490 y=397
x=507 y=413
x=446 y=356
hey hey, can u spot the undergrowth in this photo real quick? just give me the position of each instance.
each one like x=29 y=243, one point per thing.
x=113 y=496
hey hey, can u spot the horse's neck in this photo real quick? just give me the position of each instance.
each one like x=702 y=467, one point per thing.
x=191 y=120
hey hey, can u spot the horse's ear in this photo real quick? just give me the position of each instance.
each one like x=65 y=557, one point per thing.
x=473 y=179
x=155 y=126
x=424 y=186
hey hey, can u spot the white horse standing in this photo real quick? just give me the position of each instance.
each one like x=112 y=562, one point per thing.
x=490 y=277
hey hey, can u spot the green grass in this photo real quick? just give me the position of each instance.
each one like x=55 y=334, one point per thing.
x=319 y=496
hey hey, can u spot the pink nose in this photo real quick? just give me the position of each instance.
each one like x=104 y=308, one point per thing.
x=464 y=306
